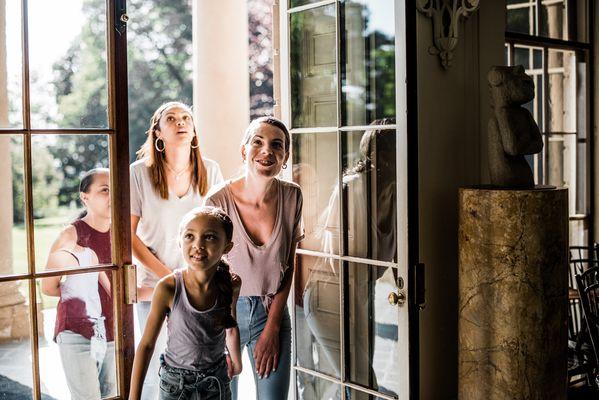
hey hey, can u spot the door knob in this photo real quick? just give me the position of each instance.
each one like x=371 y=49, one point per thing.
x=397 y=299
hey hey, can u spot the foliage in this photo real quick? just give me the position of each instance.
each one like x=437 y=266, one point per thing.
x=46 y=180
x=159 y=62
x=260 y=57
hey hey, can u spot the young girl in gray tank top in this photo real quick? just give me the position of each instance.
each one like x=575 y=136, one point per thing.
x=202 y=352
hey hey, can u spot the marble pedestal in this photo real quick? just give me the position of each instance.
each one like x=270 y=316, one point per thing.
x=513 y=248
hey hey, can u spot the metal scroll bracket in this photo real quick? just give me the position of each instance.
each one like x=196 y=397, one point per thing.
x=446 y=16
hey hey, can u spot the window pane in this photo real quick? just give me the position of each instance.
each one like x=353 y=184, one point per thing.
x=521 y=16
x=297 y=3
x=16 y=379
x=313 y=69
x=357 y=395
x=561 y=170
x=315 y=169
x=554 y=21
x=78 y=336
x=58 y=164
x=13 y=237
x=11 y=90
x=310 y=387
x=582 y=177
x=317 y=318
x=372 y=326
x=67 y=47
x=579 y=232
x=368 y=67
x=370 y=191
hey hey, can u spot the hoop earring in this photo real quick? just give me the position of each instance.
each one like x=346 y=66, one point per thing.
x=197 y=144
x=284 y=166
x=156 y=145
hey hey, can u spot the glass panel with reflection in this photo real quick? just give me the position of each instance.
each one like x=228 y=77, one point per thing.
x=67 y=47
x=59 y=163
x=77 y=355
x=310 y=387
x=521 y=16
x=315 y=169
x=373 y=328
x=317 y=314
x=369 y=184
x=368 y=61
x=313 y=67
x=16 y=379
x=11 y=89
x=13 y=236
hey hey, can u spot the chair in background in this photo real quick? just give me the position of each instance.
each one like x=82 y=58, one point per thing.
x=579 y=347
x=588 y=289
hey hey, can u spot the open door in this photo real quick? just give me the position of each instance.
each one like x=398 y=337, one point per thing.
x=342 y=75
x=49 y=137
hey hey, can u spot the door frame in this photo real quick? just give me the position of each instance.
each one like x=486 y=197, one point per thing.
x=406 y=127
x=119 y=182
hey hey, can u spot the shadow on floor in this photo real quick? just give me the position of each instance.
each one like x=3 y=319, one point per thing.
x=13 y=390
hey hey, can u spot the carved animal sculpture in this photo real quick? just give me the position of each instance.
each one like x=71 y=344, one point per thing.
x=513 y=133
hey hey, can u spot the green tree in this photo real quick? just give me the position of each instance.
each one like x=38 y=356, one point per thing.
x=46 y=180
x=159 y=63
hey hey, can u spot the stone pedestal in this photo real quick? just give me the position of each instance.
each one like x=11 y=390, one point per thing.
x=513 y=247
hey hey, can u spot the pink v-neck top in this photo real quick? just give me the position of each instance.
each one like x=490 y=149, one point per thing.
x=262 y=268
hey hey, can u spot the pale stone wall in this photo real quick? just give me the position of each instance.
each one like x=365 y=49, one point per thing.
x=221 y=79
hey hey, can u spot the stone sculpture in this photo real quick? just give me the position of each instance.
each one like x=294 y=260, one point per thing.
x=513 y=133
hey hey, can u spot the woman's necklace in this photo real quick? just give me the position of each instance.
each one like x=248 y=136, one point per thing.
x=177 y=174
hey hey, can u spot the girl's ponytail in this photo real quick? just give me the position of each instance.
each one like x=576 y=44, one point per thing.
x=223 y=282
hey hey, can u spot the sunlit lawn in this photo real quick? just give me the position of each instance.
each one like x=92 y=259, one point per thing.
x=45 y=232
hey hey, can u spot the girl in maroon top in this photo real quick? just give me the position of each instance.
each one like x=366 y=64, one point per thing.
x=84 y=316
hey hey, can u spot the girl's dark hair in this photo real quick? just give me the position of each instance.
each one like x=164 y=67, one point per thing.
x=86 y=182
x=222 y=278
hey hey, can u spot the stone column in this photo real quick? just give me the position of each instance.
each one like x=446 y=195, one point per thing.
x=221 y=91
x=513 y=247
x=14 y=312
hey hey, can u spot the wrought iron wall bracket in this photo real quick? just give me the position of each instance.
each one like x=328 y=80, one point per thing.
x=446 y=19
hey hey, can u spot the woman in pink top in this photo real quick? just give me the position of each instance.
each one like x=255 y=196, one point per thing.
x=266 y=214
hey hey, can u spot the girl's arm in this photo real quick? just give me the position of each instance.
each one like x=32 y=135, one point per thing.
x=234 y=364
x=233 y=346
x=161 y=303
x=266 y=352
x=67 y=239
x=143 y=254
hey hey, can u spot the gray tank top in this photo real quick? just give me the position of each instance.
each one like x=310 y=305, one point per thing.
x=196 y=339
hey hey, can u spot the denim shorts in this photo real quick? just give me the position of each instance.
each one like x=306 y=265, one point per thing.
x=210 y=384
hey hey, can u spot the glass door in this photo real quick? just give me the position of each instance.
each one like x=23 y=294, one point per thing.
x=63 y=113
x=343 y=93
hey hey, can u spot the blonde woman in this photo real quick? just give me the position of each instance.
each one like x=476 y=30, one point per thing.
x=169 y=179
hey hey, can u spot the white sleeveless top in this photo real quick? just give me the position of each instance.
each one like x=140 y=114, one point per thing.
x=83 y=286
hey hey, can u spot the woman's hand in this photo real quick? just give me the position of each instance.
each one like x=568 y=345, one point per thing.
x=266 y=353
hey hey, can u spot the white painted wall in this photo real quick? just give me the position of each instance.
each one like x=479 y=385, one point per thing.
x=453 y=110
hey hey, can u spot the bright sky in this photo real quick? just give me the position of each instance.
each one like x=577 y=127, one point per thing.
x=52 y=25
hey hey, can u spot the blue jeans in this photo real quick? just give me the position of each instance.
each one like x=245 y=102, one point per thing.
x=251 y=318
x=89 y=368
x=181 y=384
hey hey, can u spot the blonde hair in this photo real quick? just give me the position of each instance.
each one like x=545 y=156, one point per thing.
x=155 y=159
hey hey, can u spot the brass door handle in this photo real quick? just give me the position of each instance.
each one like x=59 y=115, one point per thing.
x=397 y=299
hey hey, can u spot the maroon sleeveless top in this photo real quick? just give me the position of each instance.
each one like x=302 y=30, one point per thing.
x=70 y=315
